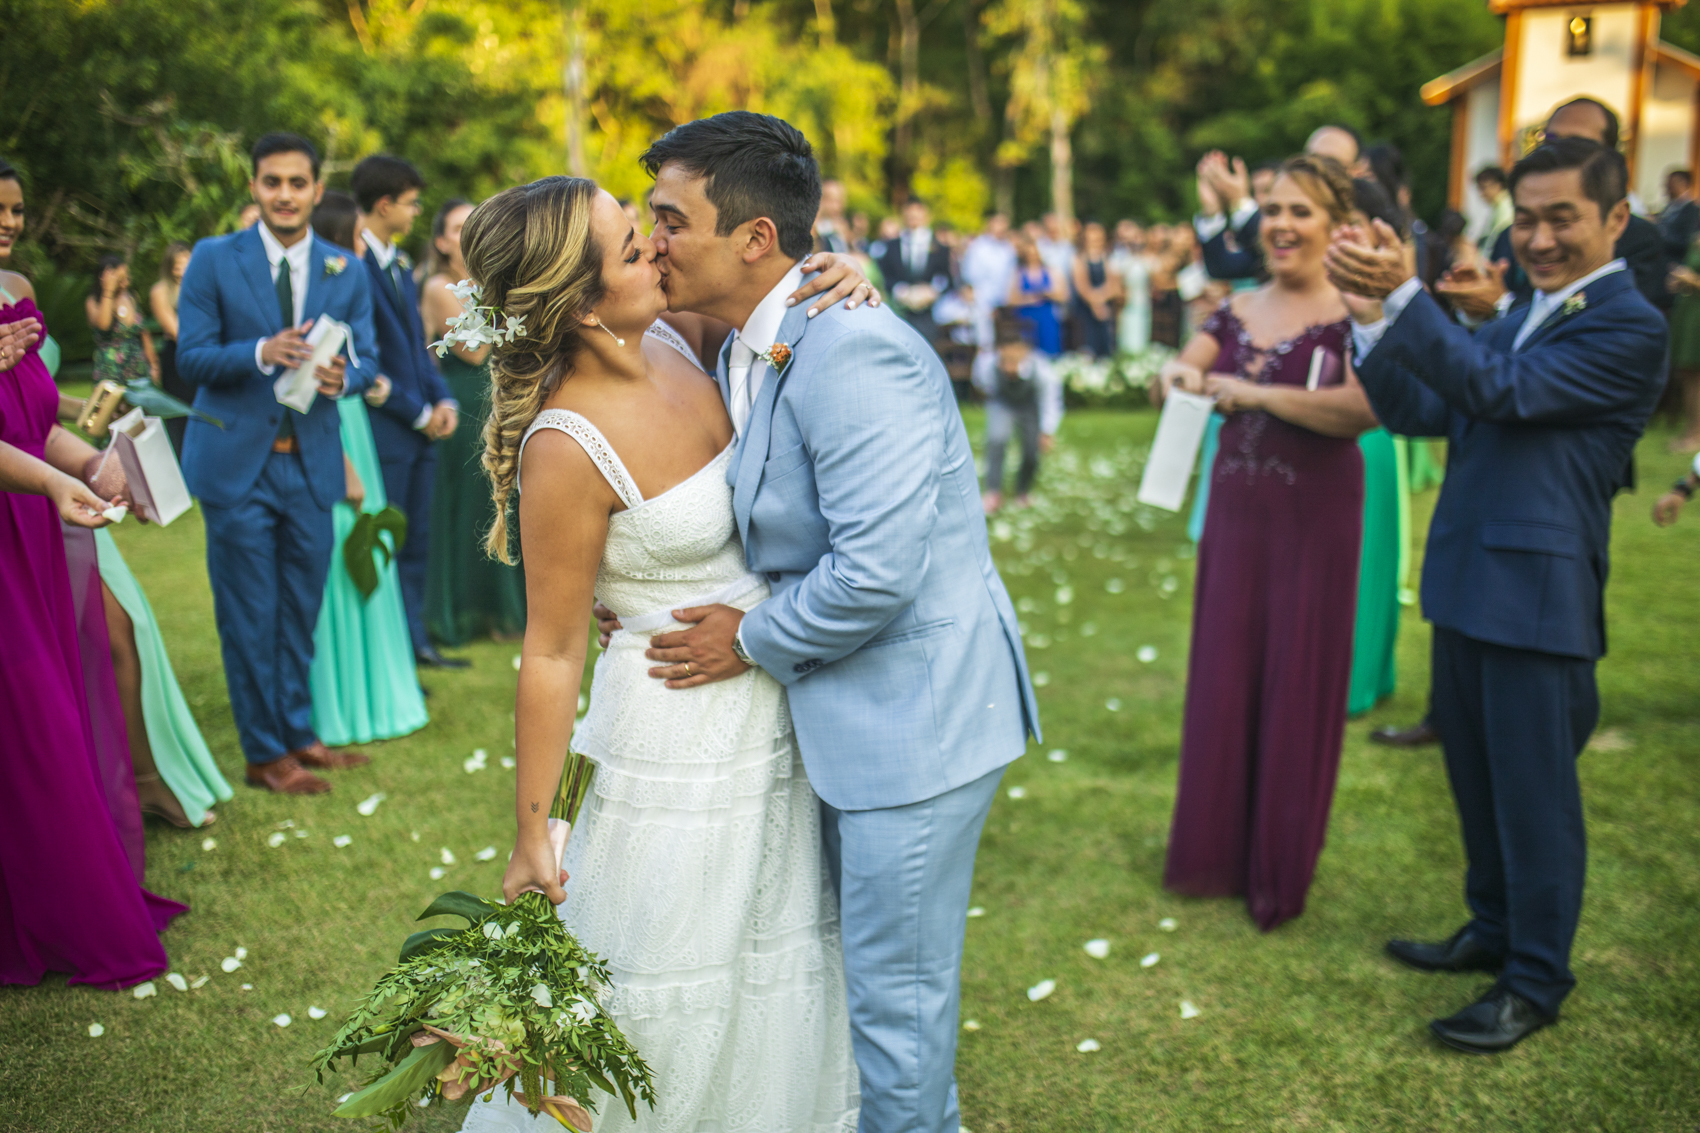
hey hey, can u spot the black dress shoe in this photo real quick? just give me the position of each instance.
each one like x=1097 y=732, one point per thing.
x=429 y=658
x=1418 y=735
x=1497 y=1021
x=1463 y=953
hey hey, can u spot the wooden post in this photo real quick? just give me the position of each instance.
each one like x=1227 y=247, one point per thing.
x=1512 y=61
x=1640 y=80
x=1457 y=176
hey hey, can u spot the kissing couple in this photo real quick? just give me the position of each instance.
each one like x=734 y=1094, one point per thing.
x=812 y=677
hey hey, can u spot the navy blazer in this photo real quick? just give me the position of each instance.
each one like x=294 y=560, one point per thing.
x=403 y=359
x=1242 y=262
x=1518 y=550
x=228 y=303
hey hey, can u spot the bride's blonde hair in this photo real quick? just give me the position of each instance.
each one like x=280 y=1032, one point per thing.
x=532 y=251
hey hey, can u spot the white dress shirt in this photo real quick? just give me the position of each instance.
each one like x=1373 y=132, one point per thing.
x=385 y=253
x=1366 y=335
x=917 y=244
x=298 y=256
x=1208 y=226
x=745 y=371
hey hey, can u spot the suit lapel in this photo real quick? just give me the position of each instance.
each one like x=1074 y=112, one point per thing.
x=1600 y=291
x=758 y=432
x=317 y=282
x=251 y=258
x=381 y=282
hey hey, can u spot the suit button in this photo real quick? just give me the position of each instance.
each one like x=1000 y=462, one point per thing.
x=773 y=576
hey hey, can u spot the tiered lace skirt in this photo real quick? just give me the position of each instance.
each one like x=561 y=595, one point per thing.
x=697 y=873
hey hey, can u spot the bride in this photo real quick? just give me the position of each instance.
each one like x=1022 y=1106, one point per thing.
x=697 y=859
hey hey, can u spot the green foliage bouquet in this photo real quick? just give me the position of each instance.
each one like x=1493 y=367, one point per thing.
x=509 y=1001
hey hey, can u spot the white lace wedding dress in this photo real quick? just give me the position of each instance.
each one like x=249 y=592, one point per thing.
x=696 y=864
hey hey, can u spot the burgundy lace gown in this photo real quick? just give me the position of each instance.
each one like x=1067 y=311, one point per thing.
x=1272 y=624
x=70 y=852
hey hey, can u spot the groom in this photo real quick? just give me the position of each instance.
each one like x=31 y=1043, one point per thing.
x=855 y=493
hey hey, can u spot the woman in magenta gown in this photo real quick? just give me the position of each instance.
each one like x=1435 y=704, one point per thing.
x=71 y=898
x=1275 y=600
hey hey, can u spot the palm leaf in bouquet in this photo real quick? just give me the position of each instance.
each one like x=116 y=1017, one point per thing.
x=509 y=1001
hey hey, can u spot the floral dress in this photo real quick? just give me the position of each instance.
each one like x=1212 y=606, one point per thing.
x=118 y=353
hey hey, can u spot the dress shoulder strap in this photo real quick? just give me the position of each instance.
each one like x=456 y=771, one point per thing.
x=661 y=332
x=595 y=445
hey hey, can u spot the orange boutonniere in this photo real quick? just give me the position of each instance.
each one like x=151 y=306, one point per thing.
x=776 y=356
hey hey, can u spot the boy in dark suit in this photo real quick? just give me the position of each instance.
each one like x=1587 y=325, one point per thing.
x=419 y=410
x=1542 y=409
x=267 y=478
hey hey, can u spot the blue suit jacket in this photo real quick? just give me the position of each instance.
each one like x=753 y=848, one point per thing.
x=403 y=358
x=1540 y=442
x=228 y=303
x=856 y=494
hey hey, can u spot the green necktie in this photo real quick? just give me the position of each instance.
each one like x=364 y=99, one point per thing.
x=395 y=282
x=286 y=308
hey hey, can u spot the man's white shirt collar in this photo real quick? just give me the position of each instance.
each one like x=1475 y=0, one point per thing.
x=745 y=371
x=762 y=327
x=382 y=249
x=1545 y=303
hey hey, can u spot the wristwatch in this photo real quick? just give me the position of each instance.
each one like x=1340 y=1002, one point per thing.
x=1682 y=488
x=739 y=652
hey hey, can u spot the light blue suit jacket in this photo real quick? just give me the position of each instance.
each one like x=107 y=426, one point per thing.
x=227 y=303
x=856 y=495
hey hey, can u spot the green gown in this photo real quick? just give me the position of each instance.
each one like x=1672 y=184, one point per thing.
x=468 y=594
x=363 y=679
x=1386 y=528
x=180 y=754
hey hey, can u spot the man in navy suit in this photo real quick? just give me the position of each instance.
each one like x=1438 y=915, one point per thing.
x=1542 y=409
x=268 y=477
x=419 y=409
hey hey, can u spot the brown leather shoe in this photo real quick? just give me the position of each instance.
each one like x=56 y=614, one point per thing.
x=286 y=776
x=321 y=758
x=1418 y=735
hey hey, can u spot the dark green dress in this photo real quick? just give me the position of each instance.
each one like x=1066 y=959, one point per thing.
x=467 y=593
x=1685 y=322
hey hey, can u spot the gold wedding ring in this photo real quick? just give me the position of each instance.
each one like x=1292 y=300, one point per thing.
x=687 y=668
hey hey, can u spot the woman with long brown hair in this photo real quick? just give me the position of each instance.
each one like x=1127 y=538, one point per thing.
x=1277 y=567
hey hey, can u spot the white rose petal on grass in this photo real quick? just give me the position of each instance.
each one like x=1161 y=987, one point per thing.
x=301 y=833
x=240 y=953
x=1041 y=989
x=1149 y=960
x=448 y=856
x=200 y=982
x=230 y=964
x=341 y=840
x=1113 y=704
x=316 y=1012
x=1040 y=680
x=1064 y=595
x=344 y=1098
x=516 y=662
x=368 y=806
x=177 y=981
x=1097 y=949
x=1188 y=1011
x=1017 y=792
x=1115 y=586
x=438 y=872
x=209 y=844
x=1147 y=654
x=247 y=987
x=276 y=839
x=508 y=762
x=414 y=835
x=977 y=911
x=282 y=1020
x=1058 y=755
x=96 y=1030
x=1088 y=1046
x=142 y=991
x=971 y=1025
x=1168 y=924
x=474 y=762
x=488 y=853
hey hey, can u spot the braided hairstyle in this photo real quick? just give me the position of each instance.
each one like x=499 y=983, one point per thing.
x=532 y=250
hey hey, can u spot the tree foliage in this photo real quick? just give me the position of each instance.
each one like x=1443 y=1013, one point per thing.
x=131 y=118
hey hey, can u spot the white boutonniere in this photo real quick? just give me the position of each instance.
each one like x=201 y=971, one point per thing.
x=404 y=260
x=1577 y=302
x=336 y=265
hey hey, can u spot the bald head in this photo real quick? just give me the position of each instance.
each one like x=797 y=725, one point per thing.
x=1584 y=118
x=1335 y=142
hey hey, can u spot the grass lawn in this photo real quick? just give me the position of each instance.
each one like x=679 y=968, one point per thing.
x=1309 y=1027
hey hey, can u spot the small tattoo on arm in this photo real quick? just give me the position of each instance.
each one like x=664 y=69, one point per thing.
x=533 y=808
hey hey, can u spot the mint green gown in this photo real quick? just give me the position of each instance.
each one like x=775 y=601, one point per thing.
x=363 y=680
x=180 y=754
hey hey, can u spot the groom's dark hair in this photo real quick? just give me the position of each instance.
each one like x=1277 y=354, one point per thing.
x=755 y=165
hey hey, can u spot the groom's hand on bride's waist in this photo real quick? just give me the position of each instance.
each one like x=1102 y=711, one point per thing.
x=702 y=654
x=607 y=623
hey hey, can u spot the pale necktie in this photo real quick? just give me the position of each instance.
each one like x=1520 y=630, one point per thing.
x=738 y=380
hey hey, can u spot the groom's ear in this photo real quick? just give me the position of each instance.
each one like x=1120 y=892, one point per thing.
x=757 y=239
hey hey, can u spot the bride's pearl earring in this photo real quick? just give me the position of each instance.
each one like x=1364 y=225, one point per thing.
x=618 y=341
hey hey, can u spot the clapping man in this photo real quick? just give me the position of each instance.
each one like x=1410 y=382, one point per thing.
x=267 y=476
x=419 y=409
x=1542 y=409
